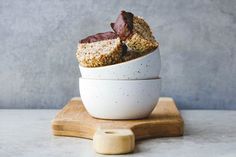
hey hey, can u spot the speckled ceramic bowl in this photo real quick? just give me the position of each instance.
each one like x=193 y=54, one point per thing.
x=120 y=99
x=145 y=67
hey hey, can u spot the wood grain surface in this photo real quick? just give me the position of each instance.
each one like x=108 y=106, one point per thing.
x=73 y=120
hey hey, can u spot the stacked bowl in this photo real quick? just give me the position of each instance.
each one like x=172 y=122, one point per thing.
x=127 y=90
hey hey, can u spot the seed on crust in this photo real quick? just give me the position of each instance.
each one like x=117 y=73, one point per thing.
x=134 y=32
x=99 y=53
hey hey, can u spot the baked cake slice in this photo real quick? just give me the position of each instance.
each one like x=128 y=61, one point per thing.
x=99 y=50
x=134 y=32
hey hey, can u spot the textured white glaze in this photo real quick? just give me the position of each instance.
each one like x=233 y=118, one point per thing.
x=145 y=67
x=120 y=99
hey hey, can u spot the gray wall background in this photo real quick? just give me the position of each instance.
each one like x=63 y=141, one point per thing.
x=38 y=41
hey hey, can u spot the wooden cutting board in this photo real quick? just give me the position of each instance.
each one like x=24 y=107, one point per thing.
x=117 y=136
x=73 y=120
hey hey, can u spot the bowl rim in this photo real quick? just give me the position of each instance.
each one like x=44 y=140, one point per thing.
x=132 y=60
x=151 y=79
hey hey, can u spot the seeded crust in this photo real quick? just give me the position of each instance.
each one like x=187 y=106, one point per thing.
x=141 y=40
x=100 y=53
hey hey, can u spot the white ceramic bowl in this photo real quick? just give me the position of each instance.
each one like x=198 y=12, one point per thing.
x=120 y=99
x=145 y=67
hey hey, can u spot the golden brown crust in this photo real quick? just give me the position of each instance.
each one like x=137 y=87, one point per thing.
x=139 y=44
x=141 y=40
x=99 y=53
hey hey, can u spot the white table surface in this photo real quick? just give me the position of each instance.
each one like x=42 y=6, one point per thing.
x=27 y=133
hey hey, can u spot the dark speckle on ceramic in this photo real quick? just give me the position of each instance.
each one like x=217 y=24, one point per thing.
x=147 y=66
x=119 y=99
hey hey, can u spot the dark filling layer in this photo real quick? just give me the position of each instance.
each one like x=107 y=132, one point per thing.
x=124 y=49
x=123 y=25
x=99 y=37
